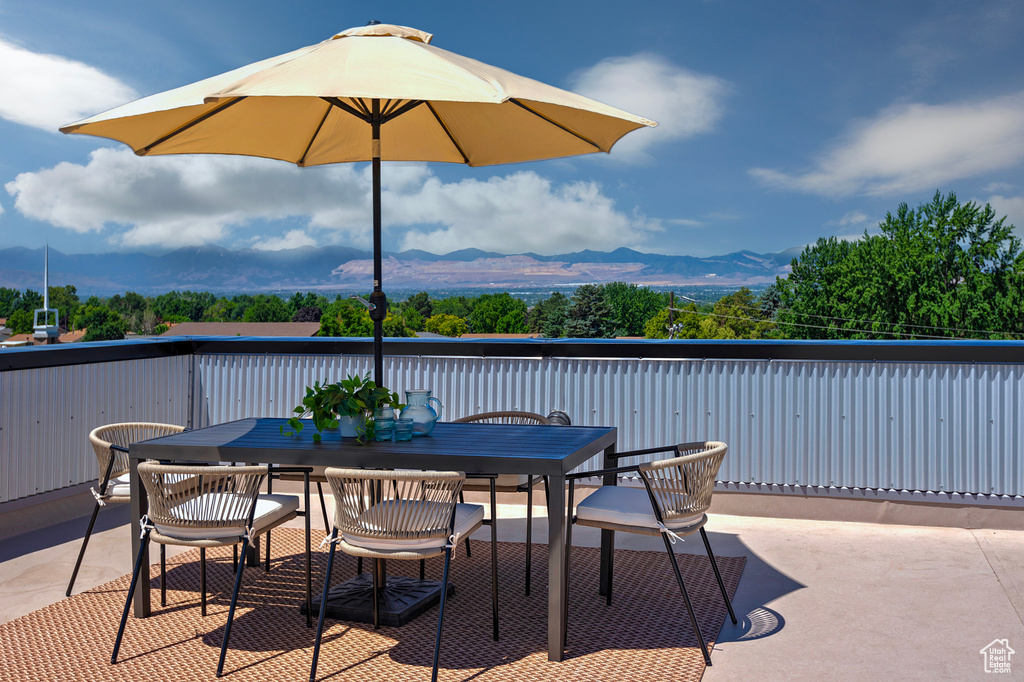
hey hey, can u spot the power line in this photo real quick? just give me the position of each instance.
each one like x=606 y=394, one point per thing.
x=867 y=321
x=816 y=326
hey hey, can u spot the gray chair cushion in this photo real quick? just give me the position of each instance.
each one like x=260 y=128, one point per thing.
x=624 y=506
x=467 y=516
x=269 y=510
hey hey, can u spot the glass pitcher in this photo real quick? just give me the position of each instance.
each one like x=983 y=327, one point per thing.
x=419 y=410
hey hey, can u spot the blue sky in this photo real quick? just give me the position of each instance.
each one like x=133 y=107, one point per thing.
x=778 y=123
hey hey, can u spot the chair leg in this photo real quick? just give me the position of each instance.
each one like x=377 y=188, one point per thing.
x=686 y=598
x=494 y=562
x=323 y=610
x=267 y=562
x=323 y=505
x=234 y=558
x=309 y=567
x=202 y=579
x=529 y=532
x=375 y=570
x=81 y=552
x=163 y=575
x=131 y=593
x=231 y=610
x=359 y=565
x=440 y=615
x=718 y=575
x=462 y=500
x=423 y=569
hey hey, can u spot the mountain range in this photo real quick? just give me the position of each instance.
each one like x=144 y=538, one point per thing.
x=216 y=269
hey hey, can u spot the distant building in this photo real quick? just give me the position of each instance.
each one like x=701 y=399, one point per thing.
x=496 y=337
x=243 y=329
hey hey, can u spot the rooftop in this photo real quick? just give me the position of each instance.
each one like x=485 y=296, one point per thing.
x=867 y=601
x=244 y=329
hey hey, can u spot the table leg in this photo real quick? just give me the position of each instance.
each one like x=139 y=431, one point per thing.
x=138 y=508
x=607 y=536
x=556 y=567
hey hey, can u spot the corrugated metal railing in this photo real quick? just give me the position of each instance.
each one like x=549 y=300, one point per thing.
x=800 y=415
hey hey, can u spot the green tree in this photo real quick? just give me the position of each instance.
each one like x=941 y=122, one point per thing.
x=307 y=314
x=101 y=324
x=267 y=308
x=20 y=322
x=353 y=319
x=590 y=316
x=394 y=326
x=30 y=301
x=632 y=306
x=65 y=300
x=413 y=318
x=459 y=306
x=330 y=326
x=498 y=313
x=944 y=269
x=422 y=304
x=9 y=299
x=548 y=317
x=136 y=311
x=686 y=322
x=446 y=325
x=190 y=304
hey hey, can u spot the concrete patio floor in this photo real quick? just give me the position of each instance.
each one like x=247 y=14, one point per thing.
x=853 y=601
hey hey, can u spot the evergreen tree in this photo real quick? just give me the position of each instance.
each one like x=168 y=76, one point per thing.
x=590 y=316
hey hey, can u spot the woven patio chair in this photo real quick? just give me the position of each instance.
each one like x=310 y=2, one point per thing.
x=111 y=443
x=512 y=483
x=672 y=504
x=400 y=515
x=222 y=506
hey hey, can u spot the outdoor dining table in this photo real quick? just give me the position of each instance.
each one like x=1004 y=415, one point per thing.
x=475 y=448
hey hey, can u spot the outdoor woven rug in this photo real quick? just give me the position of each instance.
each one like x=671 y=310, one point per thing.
x=645 y=629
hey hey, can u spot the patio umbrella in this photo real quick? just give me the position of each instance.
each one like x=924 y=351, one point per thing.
x=372 y=93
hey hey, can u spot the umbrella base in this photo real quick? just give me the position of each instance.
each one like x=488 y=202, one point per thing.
x=402 y=600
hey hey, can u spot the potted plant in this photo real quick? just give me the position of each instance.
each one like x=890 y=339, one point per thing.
x=346 y=405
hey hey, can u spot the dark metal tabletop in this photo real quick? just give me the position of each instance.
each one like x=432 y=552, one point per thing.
x=469 y=447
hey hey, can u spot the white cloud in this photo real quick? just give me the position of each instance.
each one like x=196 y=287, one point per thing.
x=684 y=103
x=853 y=218
x=173 y=201
x=994 y=187
x=293 y=239
x=685 y=222
x=47 y=91
x=513 y=214
x=179 y=200
x=914 y=147
x=1011 y=207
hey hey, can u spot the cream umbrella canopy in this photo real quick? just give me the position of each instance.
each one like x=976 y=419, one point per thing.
x=372 y=93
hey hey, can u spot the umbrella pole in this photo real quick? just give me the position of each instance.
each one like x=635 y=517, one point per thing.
x=379 y=308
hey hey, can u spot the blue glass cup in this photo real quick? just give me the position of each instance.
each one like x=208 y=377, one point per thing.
x=403 y=429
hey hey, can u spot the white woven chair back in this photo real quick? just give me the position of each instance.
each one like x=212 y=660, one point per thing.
x=682 y=486
x=394 y=505
x=201 y=497
x=507 y=417
x=124 y=434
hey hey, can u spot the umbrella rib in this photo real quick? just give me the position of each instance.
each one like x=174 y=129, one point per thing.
x=334 y=101
x=194 y=122
x=408 y=106
x=444 y=127
x=556 y=124
x=312 y=139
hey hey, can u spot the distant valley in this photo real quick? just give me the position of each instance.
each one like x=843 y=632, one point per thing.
x=216 y=269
